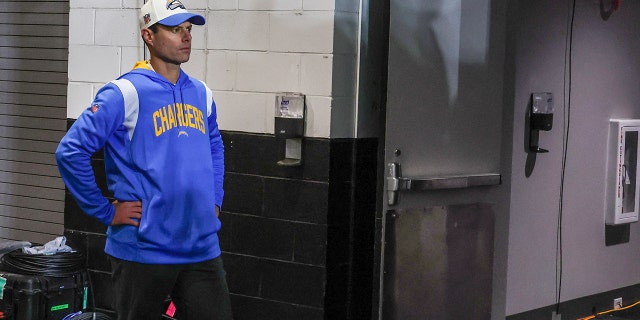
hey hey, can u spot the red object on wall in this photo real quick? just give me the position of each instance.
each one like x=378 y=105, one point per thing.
x=616 y=4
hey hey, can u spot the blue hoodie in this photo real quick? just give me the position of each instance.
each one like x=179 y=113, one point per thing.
x=162 y=147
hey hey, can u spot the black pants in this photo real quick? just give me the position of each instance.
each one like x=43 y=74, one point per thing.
x=199 y=291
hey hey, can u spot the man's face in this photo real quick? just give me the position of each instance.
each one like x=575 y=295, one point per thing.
x=172 y=44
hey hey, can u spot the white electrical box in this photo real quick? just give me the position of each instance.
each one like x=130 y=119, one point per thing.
x=621 y=204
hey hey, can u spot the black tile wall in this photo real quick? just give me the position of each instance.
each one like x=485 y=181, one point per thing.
x=339 y=223
x=342 y=159
x=97 y=260
x=243 y=193
x=243 y=274
x=295 y=200
x=296 y=241
x=102 y=296
x=364 y=230
x=258 y=154
x=310 y=244
x=75 y=219
x=293 y=283
x=337 y=293
x=225 y=234
x=261 y=237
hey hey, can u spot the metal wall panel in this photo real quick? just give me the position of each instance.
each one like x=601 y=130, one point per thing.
x=51 y=54
x=439 y=263
x=35 y=18
x=34 y=37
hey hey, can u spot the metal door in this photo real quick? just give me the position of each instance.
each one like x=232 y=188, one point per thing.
x=442 y=158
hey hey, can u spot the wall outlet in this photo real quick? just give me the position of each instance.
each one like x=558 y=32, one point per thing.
x=617 y=303
x=555 y=316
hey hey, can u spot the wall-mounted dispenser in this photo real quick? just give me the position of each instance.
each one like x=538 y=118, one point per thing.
x=289 y=124
x=540 y=118
x=622 y=197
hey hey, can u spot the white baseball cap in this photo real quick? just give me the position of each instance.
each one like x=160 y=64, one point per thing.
x=167 y=12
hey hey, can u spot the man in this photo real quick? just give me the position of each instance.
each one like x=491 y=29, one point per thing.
x=164 y=163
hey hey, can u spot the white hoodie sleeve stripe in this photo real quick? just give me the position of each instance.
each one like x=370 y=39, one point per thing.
x=209 y=98
x=131 y=104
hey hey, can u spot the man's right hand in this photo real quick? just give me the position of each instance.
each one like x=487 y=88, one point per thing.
x=129 y=212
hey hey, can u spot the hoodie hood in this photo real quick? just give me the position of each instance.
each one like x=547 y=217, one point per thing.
x=143 y=64
x=144 y=67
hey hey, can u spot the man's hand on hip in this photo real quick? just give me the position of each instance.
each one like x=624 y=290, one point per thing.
x=128 y=212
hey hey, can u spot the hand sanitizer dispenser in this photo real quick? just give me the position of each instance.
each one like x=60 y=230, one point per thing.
x=622 y=197
x=540 y=118
x=289 y=125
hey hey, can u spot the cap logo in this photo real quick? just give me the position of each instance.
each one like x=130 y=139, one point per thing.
x=175 y=4
x=166 y=12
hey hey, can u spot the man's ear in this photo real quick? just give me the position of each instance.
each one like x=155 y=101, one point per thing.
x=147 y=36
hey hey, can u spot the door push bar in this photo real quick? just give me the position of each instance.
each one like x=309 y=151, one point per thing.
x=395 y=182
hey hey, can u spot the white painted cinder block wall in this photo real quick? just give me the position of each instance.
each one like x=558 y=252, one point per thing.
x=247 y=52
